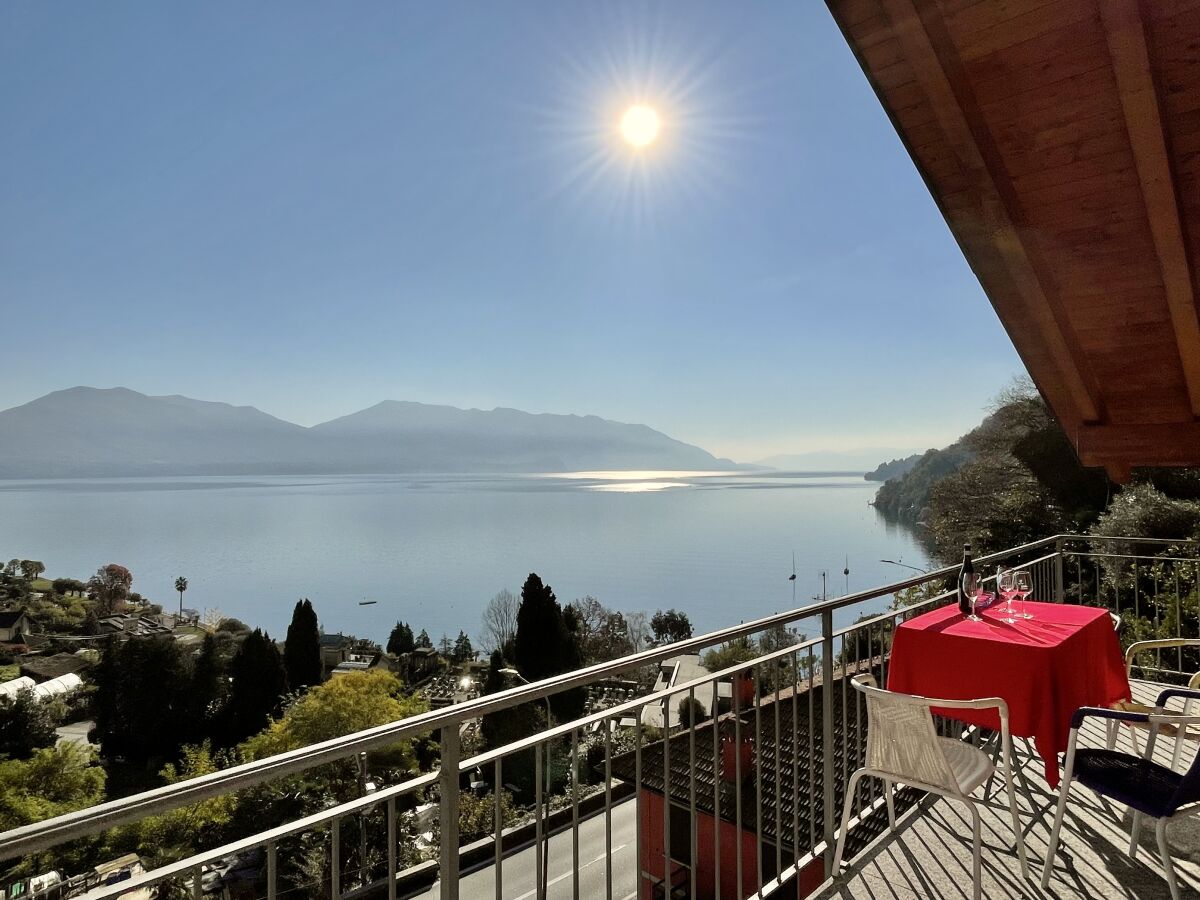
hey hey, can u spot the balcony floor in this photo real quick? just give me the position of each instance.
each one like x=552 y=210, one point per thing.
x=929 y=855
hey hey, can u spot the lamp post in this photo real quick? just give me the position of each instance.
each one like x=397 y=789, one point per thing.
x=510 y=672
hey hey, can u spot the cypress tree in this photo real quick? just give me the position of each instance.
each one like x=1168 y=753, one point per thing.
x=546 y=644
x=258 y=681
x=400 y=640
x=540 y=631
x=206 y=689
x=302 y=649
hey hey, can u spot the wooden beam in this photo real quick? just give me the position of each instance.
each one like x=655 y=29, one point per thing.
x=1126 y=36
x=1176 y=444
x=997 y=213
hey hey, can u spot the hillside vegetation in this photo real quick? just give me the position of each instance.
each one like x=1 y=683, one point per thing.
x=1015 y=478
x=895 y=468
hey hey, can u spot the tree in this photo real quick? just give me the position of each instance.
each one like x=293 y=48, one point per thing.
x=26 y=724
x=52 y=782
x=109 y=588
x=302 y=649
x=341 y=706
x=603 y=633
x=258 y=681
x=691 y=712
x=639 y=631
x=180 y=832
x=31 y=569
x=477 y=816
x=546 y=645
x=463 y=651
x=233 y=626
x=445 y=648
x=500 y=622
x=66 y=586
x=671 y=626
x=540 y=631
x=207 y=692
x=143 y=701
x=423 y=639
x=401 y=640
x=181 y=586
x=738 y=650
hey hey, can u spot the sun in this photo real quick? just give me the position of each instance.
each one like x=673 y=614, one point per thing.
x=640 y=125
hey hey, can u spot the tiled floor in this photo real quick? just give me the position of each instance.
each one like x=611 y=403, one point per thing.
x=929 y=855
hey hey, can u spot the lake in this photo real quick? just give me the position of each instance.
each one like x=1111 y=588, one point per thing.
x=432 y=549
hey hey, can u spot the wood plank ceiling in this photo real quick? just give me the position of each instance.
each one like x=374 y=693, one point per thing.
x=1061 y=140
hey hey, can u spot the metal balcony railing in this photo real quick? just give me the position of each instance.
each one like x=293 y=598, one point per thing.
x=733 y=806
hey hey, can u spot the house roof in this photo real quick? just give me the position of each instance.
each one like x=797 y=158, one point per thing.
x=47 y=667
x=10 y=617
x=790 y=759
x=1061 y=142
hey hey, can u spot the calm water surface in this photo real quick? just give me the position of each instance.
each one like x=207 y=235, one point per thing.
x=433 y=549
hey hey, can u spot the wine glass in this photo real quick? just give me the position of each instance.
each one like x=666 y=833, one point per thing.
x=1004 y=589
x=972 y=584
x=1022 y=588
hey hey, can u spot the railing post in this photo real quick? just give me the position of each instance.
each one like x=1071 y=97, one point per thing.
x=448 y=782
x=1059 y=588
x=827 y=767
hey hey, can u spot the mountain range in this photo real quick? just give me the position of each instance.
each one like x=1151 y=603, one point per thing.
x=92 y=432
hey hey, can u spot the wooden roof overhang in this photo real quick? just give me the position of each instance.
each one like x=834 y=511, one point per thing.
x=1061 y=141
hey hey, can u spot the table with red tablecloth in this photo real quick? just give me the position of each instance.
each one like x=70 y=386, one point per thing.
x=1045 y=668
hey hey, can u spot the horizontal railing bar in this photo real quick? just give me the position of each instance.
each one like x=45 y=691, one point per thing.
x=262 y=838
x=1094 y=555
x=1115 y=537
x=612 y=712
x=41 y=835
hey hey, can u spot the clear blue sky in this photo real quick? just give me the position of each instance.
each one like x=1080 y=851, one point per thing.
x=312 y=207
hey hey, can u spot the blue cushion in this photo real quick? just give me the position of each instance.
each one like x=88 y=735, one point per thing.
x=1136 y=782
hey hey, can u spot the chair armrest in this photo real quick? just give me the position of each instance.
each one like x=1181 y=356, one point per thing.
x=981 y=703
x=1158 y=644
x=1097 y=712
x=1186 y=693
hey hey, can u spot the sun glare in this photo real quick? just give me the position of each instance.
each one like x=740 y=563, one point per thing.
x=640 y=125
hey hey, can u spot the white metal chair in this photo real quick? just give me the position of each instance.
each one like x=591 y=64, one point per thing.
x=1147 y=788
x=1113 y=727
x=904 y=747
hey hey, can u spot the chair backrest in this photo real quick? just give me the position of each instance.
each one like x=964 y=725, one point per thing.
x=901 y=739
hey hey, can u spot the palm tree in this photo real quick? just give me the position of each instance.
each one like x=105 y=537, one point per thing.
x=181 y=586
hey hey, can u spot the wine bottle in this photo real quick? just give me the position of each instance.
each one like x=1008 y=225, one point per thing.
x=967 y=569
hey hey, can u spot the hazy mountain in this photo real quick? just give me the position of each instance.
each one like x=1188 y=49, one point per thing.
x=861 y=460
x=92 y=432
x=403 y=436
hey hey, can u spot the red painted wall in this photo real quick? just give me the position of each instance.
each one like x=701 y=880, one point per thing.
x=650 y=825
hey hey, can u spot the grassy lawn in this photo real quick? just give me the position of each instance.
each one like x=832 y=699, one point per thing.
x=40 y=584
x=8 y=673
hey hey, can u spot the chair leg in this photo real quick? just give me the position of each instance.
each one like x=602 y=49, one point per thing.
x=846 y=807
x=1177 y=754
x=1110 y=737
x=976 y=849
x=1063 y=790
x=891 y=804
x=1165 y=851
x=1180 y=738
x=1012 y=808
x=1134 y=831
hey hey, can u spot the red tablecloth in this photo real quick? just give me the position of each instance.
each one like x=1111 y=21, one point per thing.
x=1045 y=668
